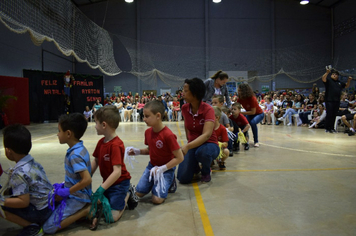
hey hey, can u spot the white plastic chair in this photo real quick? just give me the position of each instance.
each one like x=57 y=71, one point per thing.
x=135 y=115
x=336 y=122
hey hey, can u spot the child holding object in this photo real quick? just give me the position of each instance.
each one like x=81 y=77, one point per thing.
x=242 y=122
x=165 y=154
x=69 y=199
x=115 y=192
x=223 y=138
x=25 y=200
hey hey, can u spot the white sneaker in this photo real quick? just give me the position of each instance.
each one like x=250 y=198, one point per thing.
x=281 y=118
x=289 y=124
x=256 y=145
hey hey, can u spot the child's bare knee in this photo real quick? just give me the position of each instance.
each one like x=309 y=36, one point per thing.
x=157 y=200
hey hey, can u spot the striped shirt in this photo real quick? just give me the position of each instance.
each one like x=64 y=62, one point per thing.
x=77 y=160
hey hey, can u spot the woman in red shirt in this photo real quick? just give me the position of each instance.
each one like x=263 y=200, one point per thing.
x=253 y=113
x=199 y=121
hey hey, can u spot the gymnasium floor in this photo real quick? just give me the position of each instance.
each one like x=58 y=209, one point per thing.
x=299 y=182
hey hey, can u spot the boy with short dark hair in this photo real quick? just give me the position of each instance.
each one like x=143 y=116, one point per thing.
x=115 y=192
x=165 y=154
x=28 y=184
x=75 y=192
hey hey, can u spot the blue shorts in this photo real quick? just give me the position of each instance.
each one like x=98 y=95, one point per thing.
x=116 y=195
x=72 y=206
x=144 y=186
x=30 y=213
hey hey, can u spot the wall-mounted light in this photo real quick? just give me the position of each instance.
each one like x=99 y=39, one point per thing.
x=129 y=1
x=216 y=1
x=304 y=2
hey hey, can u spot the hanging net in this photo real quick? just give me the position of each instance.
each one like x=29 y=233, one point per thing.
x=74 y=34
x=61 y=22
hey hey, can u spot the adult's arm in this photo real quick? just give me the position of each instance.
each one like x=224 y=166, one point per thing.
x=323 y=78
x=207 y=131
x=348 y=82
x=251 y=112
x=227 y=97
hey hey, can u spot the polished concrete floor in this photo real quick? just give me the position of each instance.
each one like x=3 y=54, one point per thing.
x=299 y=182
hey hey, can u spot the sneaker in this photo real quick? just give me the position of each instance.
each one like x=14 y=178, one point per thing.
x=351 y=133
x=173 y=187
x=132 y=202
x=327 y=131
x=231 y=153
x=289 y=124
x=332 y=131
x=281 y=118
x=247 y=146
x=256 y=145
x=277 y=122
x=31 y=230
x=205 y=178
x=222 y=165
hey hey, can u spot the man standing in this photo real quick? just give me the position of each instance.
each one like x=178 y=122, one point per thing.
x=333 y=88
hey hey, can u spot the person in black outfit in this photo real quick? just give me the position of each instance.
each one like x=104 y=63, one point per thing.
x=333 y=88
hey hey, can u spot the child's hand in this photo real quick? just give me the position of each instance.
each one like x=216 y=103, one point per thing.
x=63 y=192
x=58 y=198
x=134 y=151
x=158 y=170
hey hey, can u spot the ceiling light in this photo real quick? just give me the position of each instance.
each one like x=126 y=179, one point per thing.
x=216 y=1
x=304 y=2
x=129 y=1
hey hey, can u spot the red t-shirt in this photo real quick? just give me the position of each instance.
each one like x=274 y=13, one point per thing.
x=194 y=123
x=250 y=103
x=221 y=134
x=241 y=120
x=161 y=145
x=110 y=154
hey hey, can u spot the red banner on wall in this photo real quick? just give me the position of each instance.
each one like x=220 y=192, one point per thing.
x=17 y=111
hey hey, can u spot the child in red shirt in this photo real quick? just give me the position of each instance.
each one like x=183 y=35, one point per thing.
x=242 y=122
x=221 y=134
x=109 y=156
x=165 y=154
x=176 y=108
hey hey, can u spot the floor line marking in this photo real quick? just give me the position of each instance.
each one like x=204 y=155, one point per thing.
x=325 y=169
x=203 y=213
x=314 y=152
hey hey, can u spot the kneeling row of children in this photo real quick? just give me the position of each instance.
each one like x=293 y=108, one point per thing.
x=30 y=200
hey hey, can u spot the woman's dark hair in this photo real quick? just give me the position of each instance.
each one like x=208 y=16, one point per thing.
x=245 y=91
x=196 y=87
x=220 y=74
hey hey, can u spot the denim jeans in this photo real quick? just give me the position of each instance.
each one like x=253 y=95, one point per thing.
x=144 y=186
x=304 y=116
x=204 y=154
x=254 y=120
x=289 y=113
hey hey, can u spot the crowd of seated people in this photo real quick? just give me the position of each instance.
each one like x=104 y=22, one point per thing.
x=281 y=106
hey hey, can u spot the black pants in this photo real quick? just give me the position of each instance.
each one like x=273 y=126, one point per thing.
x=331 y=110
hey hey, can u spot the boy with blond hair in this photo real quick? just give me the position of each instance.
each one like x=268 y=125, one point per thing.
x=109 y=157
x=221 y=134
x=165 y=154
